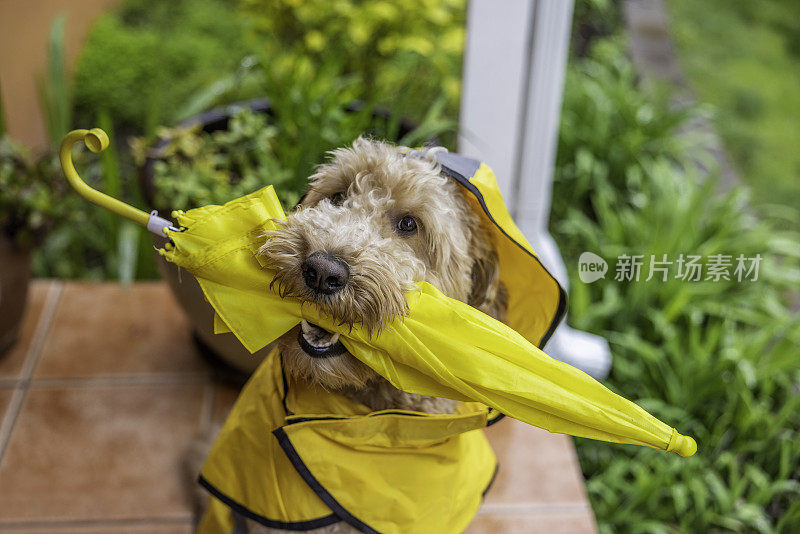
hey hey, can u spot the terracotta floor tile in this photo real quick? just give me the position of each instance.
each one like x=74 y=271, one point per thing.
x=545 y=523
x=11 y=362
x=100 y=453
x=105 y=329
x=116 y=528
x=535 y=466
x=5 y=399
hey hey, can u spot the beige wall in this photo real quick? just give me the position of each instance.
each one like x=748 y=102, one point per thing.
x=24 y=29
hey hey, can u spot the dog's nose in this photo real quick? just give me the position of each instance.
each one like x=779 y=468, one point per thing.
x=324 y=273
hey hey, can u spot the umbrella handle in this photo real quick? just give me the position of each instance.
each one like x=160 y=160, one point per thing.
x=97 y=141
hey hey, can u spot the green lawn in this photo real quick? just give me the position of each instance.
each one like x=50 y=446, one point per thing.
x=743 y=58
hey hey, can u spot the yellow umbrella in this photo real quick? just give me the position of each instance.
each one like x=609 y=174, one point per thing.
x=442 y=348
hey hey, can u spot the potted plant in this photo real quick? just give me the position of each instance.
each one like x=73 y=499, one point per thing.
x=234 y=150
x=29 y=207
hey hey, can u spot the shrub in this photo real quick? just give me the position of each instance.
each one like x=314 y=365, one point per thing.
x=146 y=60
x=402 y=55
x=718 y=358
x=201 y=168
x=142 y=62
x=609 y=128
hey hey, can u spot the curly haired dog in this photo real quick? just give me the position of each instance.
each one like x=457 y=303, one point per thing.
x=375 y=220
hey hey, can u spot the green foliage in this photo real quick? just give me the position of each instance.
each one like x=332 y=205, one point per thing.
x=281 y=149
x=593 y=20
x=88 y=241
x=201 y=168
x=609 y=128
x=142 y=62
x=55 y=92
x=743 y=58
x=149 y=64
x=30 y=200
x=403 y=55
x=718 y=359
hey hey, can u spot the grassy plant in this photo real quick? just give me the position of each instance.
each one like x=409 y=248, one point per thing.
x=717 y=358
x=609 y=128
x=744 y=59
x=55 y=92
x=91 y=243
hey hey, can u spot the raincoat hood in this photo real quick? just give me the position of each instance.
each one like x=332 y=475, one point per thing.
x=536 y=301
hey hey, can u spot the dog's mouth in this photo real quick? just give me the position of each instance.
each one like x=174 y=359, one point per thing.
x=318 y=342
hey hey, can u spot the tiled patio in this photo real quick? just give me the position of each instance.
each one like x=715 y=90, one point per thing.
x=105 y=390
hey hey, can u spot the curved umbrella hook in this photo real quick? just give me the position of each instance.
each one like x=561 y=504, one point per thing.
x=97 y=141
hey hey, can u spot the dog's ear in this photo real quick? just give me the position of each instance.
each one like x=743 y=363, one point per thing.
x=487 y=293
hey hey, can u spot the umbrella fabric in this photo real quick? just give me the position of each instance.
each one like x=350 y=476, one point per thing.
x=443 y=347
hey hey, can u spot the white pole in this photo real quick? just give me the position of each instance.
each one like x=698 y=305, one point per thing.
x=514 y=67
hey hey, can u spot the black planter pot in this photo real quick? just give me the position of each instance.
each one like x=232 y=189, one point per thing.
x=15 y=275
x=229 y=358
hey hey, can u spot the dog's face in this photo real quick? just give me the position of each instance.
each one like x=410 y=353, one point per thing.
x=373 y=223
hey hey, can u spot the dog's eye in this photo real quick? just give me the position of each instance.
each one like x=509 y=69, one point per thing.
x=338 y=198
x=407 y=225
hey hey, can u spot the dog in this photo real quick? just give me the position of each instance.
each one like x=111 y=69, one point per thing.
x=376 y=220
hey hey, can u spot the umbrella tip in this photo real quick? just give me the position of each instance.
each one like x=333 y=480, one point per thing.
x=684 y=445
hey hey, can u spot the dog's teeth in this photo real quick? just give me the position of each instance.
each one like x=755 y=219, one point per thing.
x=307 y=328
x=308 y=338
x=317 y=337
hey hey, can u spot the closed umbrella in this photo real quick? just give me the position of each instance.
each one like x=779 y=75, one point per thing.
x=443 y=347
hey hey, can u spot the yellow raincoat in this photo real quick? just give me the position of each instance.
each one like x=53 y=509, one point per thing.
x=295 y=457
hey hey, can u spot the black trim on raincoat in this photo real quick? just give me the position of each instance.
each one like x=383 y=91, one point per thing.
x=340 y=513
x=316 y=486
x=311 y=524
